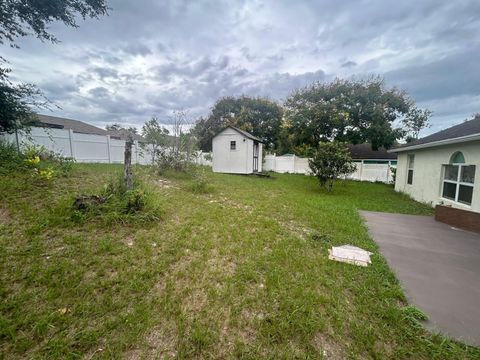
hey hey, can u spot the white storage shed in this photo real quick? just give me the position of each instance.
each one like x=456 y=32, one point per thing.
x=235 y=151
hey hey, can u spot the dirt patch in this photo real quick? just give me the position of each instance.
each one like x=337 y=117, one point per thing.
x=5 y=216
x=164 y=184
x=129 y=240
x=222 y=264
x=162 y=340
x=195 y=301
x=325 y=345
x=297 y=229
x=226 y=202
x=134 y=354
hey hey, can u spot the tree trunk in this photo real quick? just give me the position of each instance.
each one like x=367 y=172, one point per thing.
x=127 y=171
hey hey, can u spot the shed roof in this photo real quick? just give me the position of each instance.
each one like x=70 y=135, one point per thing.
x=458 y=133
x=244 y=133
x=75 y=125
x=365 y=151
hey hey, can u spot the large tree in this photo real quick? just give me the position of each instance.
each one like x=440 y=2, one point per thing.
x=19 y=18
x=353 y=111
x=260 y=116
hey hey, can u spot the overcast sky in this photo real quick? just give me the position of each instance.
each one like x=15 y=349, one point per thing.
x=149 y=57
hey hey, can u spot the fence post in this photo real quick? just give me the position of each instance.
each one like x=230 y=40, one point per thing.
x=361 y=171
x=72 y=144
x=108 y=150
x=136 y=151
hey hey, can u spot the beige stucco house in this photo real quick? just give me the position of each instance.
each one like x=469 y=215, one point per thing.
x=443 y=168
x=236 y=151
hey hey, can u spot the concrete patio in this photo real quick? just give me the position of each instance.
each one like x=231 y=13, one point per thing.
x=438 y=267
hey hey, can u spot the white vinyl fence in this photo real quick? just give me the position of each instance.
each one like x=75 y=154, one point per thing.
x=89 y=148
x=85 y=148
x=365 y=170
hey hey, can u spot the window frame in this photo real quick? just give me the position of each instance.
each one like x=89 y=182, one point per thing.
x=233 y=145
x=410 y=167
x=457 y=183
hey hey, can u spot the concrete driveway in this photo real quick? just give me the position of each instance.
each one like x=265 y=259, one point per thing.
x=438 y=267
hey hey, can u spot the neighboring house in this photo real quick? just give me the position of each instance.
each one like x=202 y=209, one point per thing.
x=372 y=165
x=69 y=124
x=122 y=134
x=236 y=151
x=363 y=153
x=443 y=168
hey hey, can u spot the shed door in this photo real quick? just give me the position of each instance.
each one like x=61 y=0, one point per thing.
x=255 y=156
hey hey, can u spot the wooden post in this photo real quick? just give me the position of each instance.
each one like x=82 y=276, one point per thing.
x=127 y=171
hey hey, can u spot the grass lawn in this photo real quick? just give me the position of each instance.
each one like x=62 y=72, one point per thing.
x=240 y=272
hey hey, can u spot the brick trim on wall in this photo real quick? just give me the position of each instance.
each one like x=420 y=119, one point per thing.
x=459 y=218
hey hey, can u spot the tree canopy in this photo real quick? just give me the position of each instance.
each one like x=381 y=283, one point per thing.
x=19 y=18
x=155 y=135
x=354 y=111
x=259 y=116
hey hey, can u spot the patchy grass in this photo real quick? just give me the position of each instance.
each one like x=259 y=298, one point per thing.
x=240 y=271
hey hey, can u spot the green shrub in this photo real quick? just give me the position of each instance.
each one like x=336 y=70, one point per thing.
x=168 y=160
x=331 y=161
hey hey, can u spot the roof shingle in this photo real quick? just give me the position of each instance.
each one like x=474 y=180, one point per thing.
x=470 y=127
x=75 y=125
x=365 y=151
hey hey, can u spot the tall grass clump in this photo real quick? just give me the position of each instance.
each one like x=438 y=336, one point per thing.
x=10 y=157
x=199 y=183
x=114 y=204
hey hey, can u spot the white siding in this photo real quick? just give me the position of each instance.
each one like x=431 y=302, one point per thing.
x=427 y=173
x=238 y=161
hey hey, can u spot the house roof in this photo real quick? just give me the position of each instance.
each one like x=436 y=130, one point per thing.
x=466 y=131
x=365 y=151
x=75 y=125
x=244 y=133
x=123 y=133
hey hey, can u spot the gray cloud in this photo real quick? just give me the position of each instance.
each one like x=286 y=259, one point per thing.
x=349 y=64
x=150 y=57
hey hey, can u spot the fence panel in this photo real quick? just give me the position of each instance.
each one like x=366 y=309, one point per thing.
x=90 y=148
x=298 y=165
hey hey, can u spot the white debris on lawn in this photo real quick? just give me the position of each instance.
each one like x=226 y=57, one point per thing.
x=350 y=254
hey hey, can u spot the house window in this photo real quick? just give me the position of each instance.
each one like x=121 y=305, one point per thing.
x=233 y=145
x=411 y=162
x=458 y=179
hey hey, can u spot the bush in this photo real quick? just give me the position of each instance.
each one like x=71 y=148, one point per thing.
x=171 y=160
x=52 y=163
x=330 y=161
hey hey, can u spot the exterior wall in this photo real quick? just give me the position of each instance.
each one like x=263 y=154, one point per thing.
x=428 y=176
x=239 y=161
